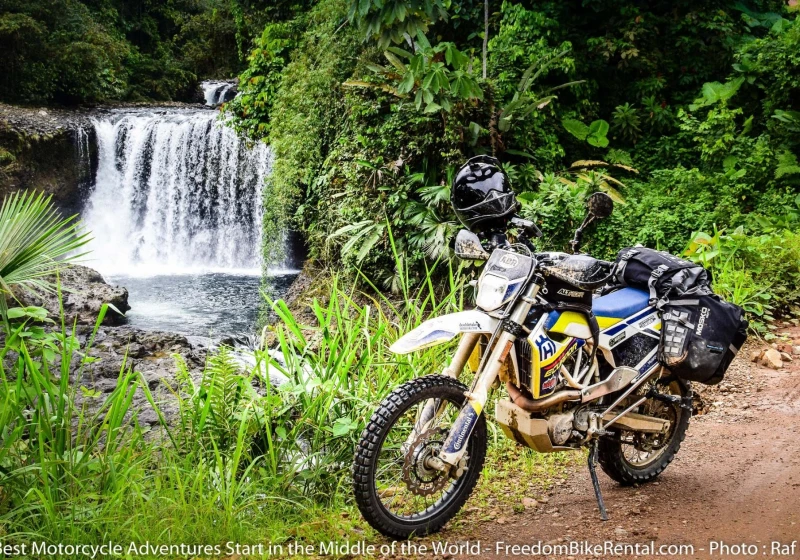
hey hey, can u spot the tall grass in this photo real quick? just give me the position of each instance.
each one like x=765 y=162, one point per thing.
x=338 y=369
x=243 y=460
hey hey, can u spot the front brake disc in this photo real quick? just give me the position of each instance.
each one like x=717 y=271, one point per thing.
x=419 y=478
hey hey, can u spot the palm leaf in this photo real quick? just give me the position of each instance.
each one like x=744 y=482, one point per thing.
x=612 y=192
x=588 y=163
x=34 y=242
x=625 y=167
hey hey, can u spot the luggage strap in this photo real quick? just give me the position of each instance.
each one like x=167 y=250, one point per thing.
x=685 y=302
x=619 y=273
x=651 y=284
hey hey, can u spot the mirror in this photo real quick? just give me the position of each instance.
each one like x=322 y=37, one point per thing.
x=600 y=205
x=468 y=246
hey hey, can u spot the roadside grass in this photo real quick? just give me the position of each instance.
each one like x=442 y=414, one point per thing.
x=245 y=461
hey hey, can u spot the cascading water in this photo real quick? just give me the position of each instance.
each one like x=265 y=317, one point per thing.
x=176 y=213
x=175 y=191
x=216 y=92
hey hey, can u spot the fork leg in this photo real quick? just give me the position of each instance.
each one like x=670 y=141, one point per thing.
x=595 y=482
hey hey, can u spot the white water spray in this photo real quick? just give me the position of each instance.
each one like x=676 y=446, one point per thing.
x=175 y=192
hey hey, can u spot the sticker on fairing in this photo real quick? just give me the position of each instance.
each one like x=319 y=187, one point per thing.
x=617 y=339
x=463 y=427
x=648 y=321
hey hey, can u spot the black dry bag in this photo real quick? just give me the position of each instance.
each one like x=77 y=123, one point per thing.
x=700 y=332
x=700 y=337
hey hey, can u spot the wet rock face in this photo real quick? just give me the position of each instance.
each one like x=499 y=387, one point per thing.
x=84 y=291
x=153 y=355
x=47 y=150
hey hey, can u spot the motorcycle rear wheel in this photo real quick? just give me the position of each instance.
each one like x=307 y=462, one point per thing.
x=630 y=458
x=395 y=492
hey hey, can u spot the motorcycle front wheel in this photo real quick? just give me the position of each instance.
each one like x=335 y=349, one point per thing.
x=396 y=491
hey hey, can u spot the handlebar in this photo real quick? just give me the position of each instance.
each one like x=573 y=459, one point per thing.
x=588 y=286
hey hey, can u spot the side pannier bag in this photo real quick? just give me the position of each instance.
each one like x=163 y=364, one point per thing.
x=660 y=273
x=700 y=336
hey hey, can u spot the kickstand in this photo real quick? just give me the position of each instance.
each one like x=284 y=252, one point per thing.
x=595 y=482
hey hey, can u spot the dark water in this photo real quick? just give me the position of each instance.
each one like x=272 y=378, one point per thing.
x=206 y=305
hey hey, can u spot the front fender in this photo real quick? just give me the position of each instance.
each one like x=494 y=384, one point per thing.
x=441 y=329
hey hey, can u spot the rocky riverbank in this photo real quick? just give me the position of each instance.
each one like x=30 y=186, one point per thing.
x=116 y=347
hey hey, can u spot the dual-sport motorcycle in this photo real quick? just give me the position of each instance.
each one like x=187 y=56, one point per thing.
x=579 y=371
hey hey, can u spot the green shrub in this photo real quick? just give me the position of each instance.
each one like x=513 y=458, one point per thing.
x=759 y=272
x=242 y=456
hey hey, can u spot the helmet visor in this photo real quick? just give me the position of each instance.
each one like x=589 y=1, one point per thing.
x=496 y=204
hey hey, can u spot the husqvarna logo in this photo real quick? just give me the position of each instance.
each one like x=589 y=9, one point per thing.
x=704 y=313
x=546 y=347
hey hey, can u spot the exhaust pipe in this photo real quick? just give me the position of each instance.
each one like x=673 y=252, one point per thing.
x=536 y=405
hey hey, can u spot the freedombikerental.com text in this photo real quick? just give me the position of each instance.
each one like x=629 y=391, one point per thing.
x=475 y=549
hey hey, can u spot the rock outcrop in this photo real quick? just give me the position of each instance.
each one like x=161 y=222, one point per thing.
x=47 y=150
x=152 y=354
x=84 y=291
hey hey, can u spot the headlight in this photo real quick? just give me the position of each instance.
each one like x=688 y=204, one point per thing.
x=491 y=292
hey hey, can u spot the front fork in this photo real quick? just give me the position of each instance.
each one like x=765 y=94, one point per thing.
x=465 y=347
x=453 y=449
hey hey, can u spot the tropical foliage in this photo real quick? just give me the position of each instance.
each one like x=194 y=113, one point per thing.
x=240 y=456
x=371 y=106
x=71 y=51
x=34 y=241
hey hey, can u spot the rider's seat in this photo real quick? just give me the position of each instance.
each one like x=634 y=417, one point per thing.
x=608 y=310
x=619 y=305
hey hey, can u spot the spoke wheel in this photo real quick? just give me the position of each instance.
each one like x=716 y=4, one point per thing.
x=635 y=457
x=396 y=488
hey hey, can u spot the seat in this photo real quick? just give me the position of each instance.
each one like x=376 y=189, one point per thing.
x=620 y=304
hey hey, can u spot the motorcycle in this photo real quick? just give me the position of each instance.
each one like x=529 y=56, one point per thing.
x=579 y=371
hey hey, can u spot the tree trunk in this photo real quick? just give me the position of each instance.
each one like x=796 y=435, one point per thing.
x=485 y=34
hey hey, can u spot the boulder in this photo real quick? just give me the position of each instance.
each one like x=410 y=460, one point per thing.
x=84 y=291
x=796 y=350
x=772 y=359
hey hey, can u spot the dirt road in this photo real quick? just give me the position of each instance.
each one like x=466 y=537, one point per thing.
x=736 y=479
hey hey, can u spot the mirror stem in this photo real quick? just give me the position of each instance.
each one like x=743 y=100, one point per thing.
x=579 y=233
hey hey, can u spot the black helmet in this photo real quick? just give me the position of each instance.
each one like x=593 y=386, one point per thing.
x=481 y=195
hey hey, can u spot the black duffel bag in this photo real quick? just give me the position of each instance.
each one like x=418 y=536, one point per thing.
x=700 y=337
x=662 y=274
x=700 y=332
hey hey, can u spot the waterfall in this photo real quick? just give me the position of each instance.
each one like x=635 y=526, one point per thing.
x=175 y=192
x=82 y=146
x=216 y=91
